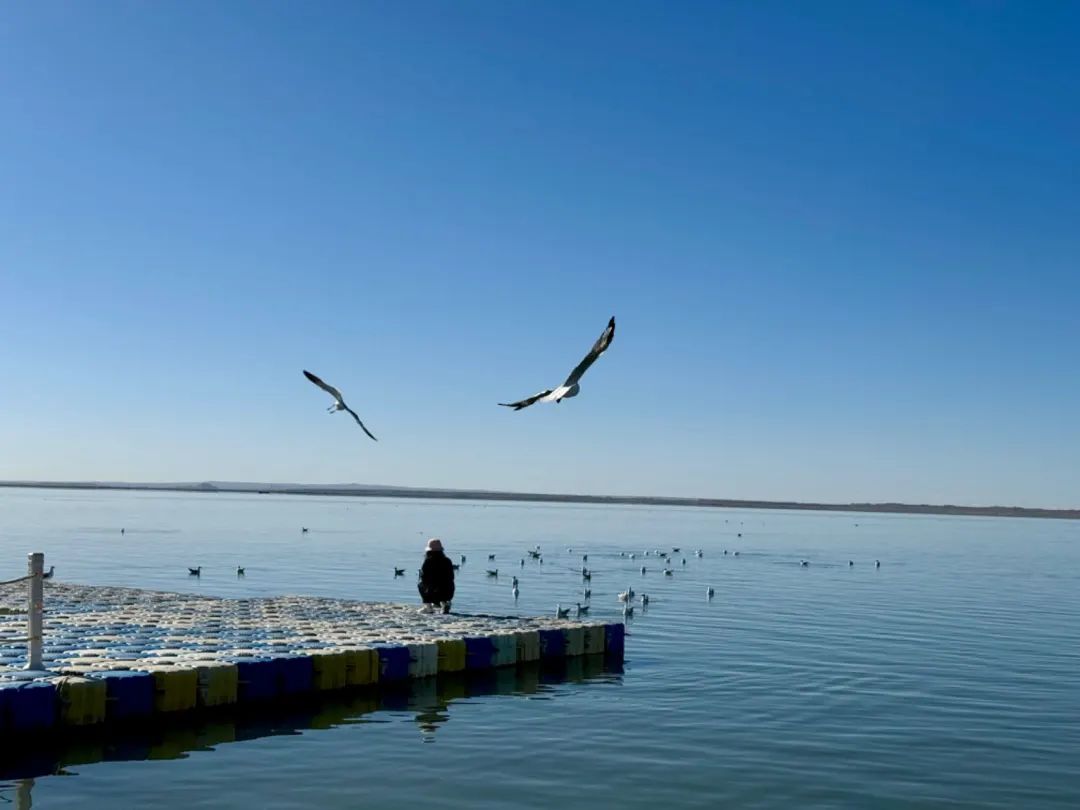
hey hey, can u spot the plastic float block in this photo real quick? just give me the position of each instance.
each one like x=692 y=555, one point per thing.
x=128 y=695
x=423 y=660
x=256 y=679
x=82 y=701
x=393 y=663
x=27 y=706
x=451 y=654
x=528 y=646
x=594 y=639
x=330 y=670
x=506 y=649
x=174 y=688
x=361 y=667
x=296 y=674
x=575 y=641
x=614 y=639
x=479 y=652
x=552 y=643
x=218 y=684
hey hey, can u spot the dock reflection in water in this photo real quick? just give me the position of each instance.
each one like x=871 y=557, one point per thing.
x=429 y=700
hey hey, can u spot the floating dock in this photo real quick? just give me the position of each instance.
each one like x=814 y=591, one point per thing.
x=112 y=655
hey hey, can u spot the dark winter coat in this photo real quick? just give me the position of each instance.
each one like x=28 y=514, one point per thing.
x=437 y=578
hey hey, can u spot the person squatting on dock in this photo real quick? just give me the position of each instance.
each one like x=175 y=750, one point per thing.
x=436 y=577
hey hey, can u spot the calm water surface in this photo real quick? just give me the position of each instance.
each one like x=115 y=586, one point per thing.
x=946 y=678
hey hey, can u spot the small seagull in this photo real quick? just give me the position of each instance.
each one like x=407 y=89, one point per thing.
x=627 y=595
x=587 y=593
x=643 y=569
x=571 y=386
x=631 y=556
x=877 y=563
x=725 y=552
x=541 y=560
x=491 y=557
x=699 y=553
x=684 y=560
x=586 y=574
x=195 y=572
x=399 y=572
x=462 y=559
x=644 y=599
x=584 y=558
x=668 y=572
x=239 y=571
x=456 y=566
x=675 y=551
x=736 y=554
x=493 y=573
x=561 y=612
x=339 y=403
x=121 y=531
x=303 y=530
x=515 y=591
x=522 y=562
x=628 y=610
x=49 y=574
x=582 y=610
x=805 y=563
x=850 y=563
x=709 y=593
x=514 y=581
x=740 y=534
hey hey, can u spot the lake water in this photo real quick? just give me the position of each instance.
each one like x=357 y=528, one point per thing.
x=949 y=677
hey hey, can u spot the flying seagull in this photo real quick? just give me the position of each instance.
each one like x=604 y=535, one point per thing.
x=339 y=403
x=570 y=387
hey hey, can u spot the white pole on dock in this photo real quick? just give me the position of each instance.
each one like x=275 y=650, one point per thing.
x=36 y=569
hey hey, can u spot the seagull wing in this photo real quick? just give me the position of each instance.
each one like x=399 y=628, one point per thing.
x=525 y=403
x=327 y=388
x=361 y=424
x=598 y=349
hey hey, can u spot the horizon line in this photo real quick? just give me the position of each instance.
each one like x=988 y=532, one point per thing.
x=398 y=491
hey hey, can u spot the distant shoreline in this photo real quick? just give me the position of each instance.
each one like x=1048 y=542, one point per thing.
x=370 y=491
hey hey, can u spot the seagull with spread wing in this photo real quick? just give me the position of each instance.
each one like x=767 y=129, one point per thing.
x=339 y=403
x=571 y=387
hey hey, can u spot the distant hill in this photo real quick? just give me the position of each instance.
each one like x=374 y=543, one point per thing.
x=383 y=491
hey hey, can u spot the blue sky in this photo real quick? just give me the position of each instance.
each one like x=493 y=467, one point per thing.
x=840 y=240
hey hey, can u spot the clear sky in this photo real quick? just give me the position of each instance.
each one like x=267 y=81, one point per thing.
x=841 y=240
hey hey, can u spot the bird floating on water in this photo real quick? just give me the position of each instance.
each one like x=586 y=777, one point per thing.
x=571 y=386
x=805 y=563
x=709 y=593
x=631 y=556
x=877 y=563
x=49 y=574
x=195 y=572
x=514 y=581
x=675 y=550
x=668 y=572
x=462 y=559
x=121 y=531
x=643 y=569
x=644 y=599
x=699 y=553
x=628 y=609
x=399 y=572
x=493 y=572
x=627 y=595
x=522 y=562
x=515 y=591
x=491 y=557
x=850 y=563
x=586 y=574
x=587 y=593
x=303 y=530
x=736 y=554
x=584 y=558
x=239 y=571
x=684 y=560
x=582 y=609
x=561 y=612
x=339 y=403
